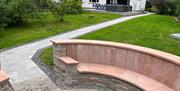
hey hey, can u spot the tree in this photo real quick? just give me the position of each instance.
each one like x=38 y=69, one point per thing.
x=4 y=14
x=43 y=5
x=63 y=7
x=59 y=10
x=178 y=9
x=13 y=12
x=74 y=7
x=167 y=7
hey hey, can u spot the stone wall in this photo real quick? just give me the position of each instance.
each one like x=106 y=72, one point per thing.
x=4 y=82
x=5 y=86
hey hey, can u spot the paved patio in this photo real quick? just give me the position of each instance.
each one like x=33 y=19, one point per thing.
x=25 y=74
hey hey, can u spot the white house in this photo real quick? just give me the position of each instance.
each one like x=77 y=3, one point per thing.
x=137 y=5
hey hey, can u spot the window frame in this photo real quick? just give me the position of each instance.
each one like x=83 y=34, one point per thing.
x=93 y=1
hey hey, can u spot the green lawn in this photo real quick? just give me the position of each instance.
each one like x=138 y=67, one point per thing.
x=48 y=26
x=150 y=31
x=47 y=56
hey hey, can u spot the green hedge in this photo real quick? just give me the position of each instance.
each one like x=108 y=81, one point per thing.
x=164 y=7
x=178 y=9
x=167 y=7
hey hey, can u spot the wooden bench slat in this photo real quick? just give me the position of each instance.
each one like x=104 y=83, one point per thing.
x=139 y=80
x=67 y=60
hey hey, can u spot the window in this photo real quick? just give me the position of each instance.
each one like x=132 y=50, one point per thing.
x=93 y=0
x=124 y=2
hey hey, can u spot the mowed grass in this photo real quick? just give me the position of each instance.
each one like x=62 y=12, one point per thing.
x=48 y=26
x=47 y=56
x=149 y=31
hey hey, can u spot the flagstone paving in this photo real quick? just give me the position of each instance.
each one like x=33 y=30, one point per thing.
x=25 y=75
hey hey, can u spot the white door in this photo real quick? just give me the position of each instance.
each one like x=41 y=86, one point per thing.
x=137 y=4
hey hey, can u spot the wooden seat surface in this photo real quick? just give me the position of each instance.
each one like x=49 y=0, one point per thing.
x=139 y=80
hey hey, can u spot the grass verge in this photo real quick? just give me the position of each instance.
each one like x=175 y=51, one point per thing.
x=47 y=56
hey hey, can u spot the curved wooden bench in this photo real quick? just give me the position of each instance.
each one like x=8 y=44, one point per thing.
x=137 y=79
x=152 y=64
x=3 y=77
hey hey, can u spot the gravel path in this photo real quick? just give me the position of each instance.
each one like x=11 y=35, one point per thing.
x=25 y=75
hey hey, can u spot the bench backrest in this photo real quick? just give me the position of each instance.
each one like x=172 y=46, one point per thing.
x=161 y=66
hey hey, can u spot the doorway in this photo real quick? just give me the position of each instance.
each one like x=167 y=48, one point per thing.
x=108 y=1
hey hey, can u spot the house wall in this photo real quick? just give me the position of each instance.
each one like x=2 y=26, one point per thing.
x=102 y=1
x=137 y=5
x=87 y=4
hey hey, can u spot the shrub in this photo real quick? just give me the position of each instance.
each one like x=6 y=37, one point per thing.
x=74 y=7
x=167 y=7
x=15 y=12
x=3 y=14
x=148 y=6
x=178 y=9
x=59 y=9
x=43 y=5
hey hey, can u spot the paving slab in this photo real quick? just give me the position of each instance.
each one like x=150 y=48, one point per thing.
x=175 y=35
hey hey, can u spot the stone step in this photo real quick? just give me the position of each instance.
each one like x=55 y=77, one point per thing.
x=67 y=60
x=143 y=82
